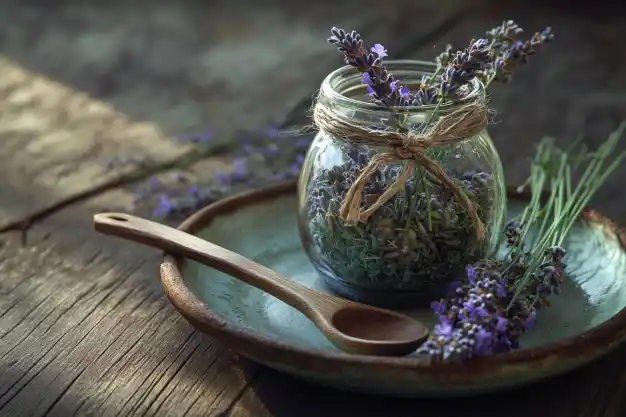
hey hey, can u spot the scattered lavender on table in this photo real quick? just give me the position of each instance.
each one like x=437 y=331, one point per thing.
x=498 y=300
x=264 y=157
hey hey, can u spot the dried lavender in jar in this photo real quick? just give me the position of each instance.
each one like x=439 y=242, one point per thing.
x=448 y=202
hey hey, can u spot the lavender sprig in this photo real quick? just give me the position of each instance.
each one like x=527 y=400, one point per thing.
x=379 y=82
x=182 y=197
x=498 y=300
x=463 y=68
x=493 y=59
x=509 y=53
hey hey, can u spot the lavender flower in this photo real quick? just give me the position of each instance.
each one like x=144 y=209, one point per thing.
x=444 y=58
x=240 y=171
x=507 y=32
x=164 y=207
x=379 y=50
x=464 y=67
x=426 y=94
x=492 y=59
x=380 y=83
x=478 y=316
x=473 y=311
x=168 y=201
x=510 y=53
x=348 y=43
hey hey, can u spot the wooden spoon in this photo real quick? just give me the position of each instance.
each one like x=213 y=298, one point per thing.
x=352 y=327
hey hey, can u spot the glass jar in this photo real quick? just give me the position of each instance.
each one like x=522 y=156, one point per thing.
x=419 y=241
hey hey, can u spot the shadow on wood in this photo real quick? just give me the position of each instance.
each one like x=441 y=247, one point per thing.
x=590 y=392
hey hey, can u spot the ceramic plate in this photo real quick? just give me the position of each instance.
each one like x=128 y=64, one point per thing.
x=584 y=322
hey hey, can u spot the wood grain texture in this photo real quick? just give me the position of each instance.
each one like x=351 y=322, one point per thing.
x=80 y=332
x=84 y=327
x=131 y=77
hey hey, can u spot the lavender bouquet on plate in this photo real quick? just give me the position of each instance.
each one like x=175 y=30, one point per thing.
x=497 y=302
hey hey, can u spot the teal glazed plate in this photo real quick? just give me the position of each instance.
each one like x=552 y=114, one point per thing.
x=586 y=321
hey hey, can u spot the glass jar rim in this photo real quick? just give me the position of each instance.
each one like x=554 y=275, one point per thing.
x=329 y=91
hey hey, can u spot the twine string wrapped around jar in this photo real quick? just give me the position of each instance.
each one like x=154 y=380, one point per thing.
x=466 y=121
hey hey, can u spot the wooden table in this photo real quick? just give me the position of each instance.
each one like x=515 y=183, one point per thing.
x=84 y=327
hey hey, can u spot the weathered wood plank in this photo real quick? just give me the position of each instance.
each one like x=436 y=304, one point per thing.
x=161 y=72
x=124 y=356
x=80 y=332
x=84 y=327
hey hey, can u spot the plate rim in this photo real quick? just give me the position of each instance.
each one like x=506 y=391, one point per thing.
x=596 y=341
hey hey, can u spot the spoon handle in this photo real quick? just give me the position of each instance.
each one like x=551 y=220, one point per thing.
x=177 y=242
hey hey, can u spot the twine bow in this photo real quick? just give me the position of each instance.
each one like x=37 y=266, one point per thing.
x=462 y=123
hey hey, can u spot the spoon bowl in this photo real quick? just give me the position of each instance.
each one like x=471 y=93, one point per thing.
x=352 y=327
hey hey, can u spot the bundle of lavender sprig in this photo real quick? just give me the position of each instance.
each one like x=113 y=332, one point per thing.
x=492 y=59
x=498 y=300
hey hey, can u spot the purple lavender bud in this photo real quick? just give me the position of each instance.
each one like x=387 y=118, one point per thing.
x=501 y=325
x=438 y=307
x=194 y=191
x=483 y=342
x=546 y=35
x=240 y=172
x=379 y=50
x=472 y=273
x=346 y=42
x=443 y=330
x=425 y=95
x=379 y=82
x=164 y=207
x=367 y=80
x=507 y=31
x=530 y=321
